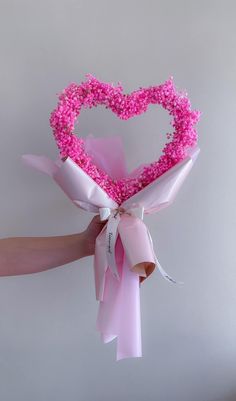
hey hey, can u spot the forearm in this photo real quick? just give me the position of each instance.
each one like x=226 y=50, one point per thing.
x=24 y=255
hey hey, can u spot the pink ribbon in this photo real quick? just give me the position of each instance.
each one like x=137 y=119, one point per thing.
x=124 y=247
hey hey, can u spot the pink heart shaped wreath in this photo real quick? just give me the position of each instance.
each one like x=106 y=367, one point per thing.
x=92 y=93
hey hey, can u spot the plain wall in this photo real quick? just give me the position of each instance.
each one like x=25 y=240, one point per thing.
x=49 y=347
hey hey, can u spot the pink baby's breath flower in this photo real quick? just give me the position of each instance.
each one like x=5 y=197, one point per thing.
x=92 y=93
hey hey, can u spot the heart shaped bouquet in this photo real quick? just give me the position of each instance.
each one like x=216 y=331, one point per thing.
x=93 y=174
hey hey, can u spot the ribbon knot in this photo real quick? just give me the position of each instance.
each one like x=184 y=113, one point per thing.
x=136 y=211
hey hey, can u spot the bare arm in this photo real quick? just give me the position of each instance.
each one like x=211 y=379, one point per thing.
x=24 y=255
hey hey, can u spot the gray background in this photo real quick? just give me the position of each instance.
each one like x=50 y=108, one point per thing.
x=49 y=348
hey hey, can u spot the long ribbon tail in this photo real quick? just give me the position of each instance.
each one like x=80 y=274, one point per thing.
x=111 y=237
x=160 y=268
x=119 y=310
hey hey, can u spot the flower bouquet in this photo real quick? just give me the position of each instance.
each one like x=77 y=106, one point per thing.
x=92 y=172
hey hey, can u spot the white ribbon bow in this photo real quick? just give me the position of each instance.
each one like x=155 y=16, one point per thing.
x=114 y=216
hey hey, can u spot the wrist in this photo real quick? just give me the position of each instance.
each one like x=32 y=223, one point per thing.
x=79 y=245
x=86 y=244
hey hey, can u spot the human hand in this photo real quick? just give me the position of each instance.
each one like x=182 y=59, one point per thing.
x=149 y=268
x=90 y=234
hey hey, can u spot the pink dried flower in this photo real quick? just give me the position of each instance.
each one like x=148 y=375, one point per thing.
x=92 y=93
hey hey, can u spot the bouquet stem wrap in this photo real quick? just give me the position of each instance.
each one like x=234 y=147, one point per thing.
x=124 y=248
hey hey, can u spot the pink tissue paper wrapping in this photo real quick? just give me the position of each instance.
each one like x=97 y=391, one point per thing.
x=124 y=246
